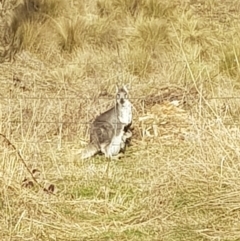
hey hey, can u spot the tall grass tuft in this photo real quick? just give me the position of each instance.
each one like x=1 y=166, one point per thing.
x=130 y=7
x=103 y=33
x=28 y=36
x=27 y=20
x=104 y=8
x=151 y=35
x=158 y=8
x=71 y=33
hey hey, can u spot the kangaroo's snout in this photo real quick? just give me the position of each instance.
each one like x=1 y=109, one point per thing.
x=122 y=101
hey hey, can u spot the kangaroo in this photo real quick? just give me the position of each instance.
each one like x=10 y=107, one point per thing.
x=110 y=131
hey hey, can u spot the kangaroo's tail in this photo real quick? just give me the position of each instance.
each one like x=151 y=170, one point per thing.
x=89 y=151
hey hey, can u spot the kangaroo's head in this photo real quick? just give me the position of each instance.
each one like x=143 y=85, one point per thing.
x=122 y=95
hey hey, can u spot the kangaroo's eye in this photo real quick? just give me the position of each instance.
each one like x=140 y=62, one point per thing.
x=118 y=96
x=125 y=96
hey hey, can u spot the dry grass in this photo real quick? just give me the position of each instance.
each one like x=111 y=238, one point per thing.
x=60 y=63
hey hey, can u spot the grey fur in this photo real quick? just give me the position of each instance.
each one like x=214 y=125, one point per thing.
x=110 y=130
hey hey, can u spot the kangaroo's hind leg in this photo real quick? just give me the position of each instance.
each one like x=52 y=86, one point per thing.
x=106 y=150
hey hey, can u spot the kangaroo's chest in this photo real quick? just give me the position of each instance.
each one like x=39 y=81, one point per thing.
x=125 y=113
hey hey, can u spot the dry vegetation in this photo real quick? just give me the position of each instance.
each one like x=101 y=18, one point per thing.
x=60 y=61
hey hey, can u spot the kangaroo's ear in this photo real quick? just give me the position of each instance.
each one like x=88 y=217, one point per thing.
x=124 y=87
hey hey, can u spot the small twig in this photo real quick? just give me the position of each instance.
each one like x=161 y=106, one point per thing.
x=22 y=160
